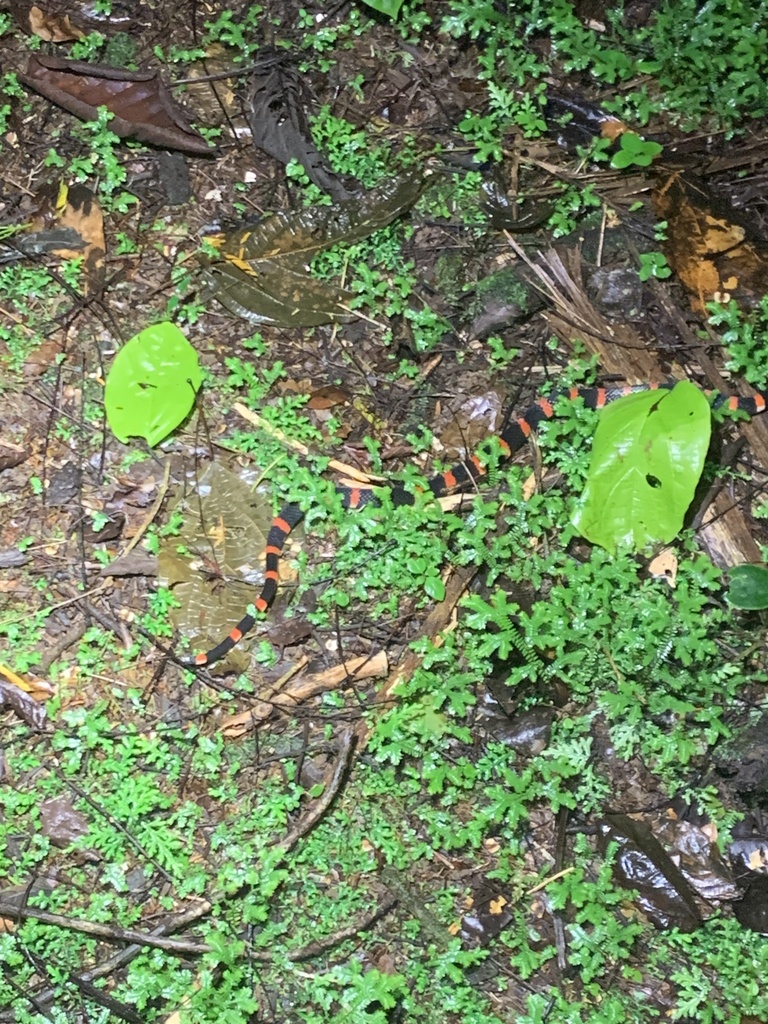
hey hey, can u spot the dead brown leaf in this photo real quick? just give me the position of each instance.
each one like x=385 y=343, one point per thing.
x=708 y=247
x=278 y=101
x=67 y=223
x=142 y=106
x=53 y=27
x=328 y=397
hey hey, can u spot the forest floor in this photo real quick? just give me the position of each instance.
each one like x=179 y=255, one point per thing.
x=471 y=767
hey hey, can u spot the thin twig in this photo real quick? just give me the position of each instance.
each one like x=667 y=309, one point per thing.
x=156 y=940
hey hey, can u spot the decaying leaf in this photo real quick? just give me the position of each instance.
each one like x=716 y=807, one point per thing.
x=262 y=271
x=328 y=397
x=212 y=96
x=53 y=26
x=487 y=912
x=295 y=238
x=471 y=424
x=226 y=536
x=144 y=109
x=61 y=822
x=710 y=246
x=272 y=295
x=278 y=99
x=641 y=863
x=52 y=225
x=300 y=688
x=80 y=212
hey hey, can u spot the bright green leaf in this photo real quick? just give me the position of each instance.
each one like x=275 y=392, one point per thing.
x=152 y=385
x=647 y=458
x=389 y=7
x=635 y=151
x=749 y=587
x=434 y=588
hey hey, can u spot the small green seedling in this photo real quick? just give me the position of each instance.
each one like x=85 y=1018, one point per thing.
x=653 y=264
x=634 y=151
x=152 y=385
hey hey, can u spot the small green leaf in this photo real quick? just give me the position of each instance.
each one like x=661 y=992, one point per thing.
x=389 y=7
x=152 y=385
x=647 y=458
x=434 y=588
x=634 y=150
x=749 y=587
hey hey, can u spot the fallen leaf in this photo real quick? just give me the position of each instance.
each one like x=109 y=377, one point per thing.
x=664 y=566
x=226 y=538
x=61 y=822
x=328 y=397
x=152 y=384
x=53 y=27
x=268 y=294
x=261 y=272
x=709 y=246
x=67 y=222
x=301 y=688
x=143 y=107
x=278 y=99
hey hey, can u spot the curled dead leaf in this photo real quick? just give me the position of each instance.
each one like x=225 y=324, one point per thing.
x=278 y=101
x=143 y=107
x=52 y=26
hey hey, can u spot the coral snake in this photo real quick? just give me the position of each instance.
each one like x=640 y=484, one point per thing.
x=511 y=439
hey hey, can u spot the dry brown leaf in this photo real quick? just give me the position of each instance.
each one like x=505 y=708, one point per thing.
x=328 y=397
x=708 y=248
x=664 y=566
x=44 y=356
x=142 y=106
x=53 y=27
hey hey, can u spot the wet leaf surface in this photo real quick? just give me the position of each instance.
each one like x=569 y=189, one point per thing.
x=226 y=539
x=53 y=26
x=642 y=864
x=262 y=273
